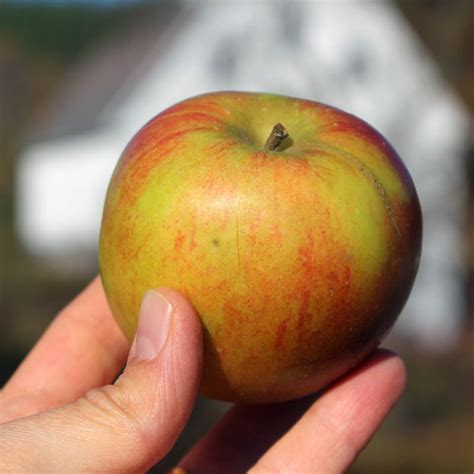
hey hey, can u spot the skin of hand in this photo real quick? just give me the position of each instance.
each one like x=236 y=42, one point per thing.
x=60 y=411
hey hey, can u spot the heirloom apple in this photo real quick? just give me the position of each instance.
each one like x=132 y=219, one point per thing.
x=293 y=228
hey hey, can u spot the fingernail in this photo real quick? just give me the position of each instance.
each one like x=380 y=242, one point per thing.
x=154 y=323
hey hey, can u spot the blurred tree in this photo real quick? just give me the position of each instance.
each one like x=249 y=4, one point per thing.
x=447 y=29
x=38 y=46
x=63 y=32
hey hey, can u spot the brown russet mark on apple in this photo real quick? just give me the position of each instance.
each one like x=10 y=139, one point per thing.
x=349 y=166
x=351 y=125
x=372 y=178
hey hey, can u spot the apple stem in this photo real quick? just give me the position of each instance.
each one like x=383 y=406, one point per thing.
x=276 y=138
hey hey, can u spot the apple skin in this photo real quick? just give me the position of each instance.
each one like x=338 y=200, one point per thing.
x=298 y=261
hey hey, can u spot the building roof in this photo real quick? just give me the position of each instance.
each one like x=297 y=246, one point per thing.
x=92 y=84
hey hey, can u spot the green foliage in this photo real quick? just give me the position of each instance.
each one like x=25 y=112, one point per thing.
x=62 y=32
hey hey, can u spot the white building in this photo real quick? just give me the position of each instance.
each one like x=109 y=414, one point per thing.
x=359 y=56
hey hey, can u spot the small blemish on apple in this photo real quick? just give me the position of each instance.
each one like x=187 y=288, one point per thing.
x=215 y=242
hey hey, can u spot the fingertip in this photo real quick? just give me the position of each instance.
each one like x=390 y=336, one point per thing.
x=159 y=385
x=181 y=304
x=168 y=318
x=186 y=318
x=175 y=374
x=391 y=364
x=397 y=368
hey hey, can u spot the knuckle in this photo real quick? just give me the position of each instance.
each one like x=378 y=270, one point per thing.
x=114 y=411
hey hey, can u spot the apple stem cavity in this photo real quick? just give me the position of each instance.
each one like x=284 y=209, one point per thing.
x=277 y=136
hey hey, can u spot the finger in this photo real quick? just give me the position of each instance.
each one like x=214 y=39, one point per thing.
x=229 y=447
x=127 y=426
x=337 y=427
x=242 y=436
x=83 y=348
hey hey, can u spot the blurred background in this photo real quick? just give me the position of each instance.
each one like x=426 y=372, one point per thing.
x=79 y=78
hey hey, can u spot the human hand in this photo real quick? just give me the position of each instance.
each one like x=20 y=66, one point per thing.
x=53 y=418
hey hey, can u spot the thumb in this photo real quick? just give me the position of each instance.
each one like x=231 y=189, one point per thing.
x=132 y=424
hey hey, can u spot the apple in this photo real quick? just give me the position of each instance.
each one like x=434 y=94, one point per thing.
x=293 y=228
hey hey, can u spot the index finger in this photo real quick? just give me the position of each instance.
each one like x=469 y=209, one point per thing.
x=337 y=427
x=83 y=348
